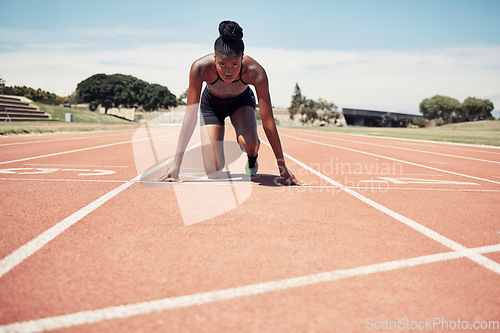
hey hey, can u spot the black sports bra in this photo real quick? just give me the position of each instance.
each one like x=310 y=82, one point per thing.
x=227 y=90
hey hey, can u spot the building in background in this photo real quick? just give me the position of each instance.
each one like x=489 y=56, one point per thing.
x=373 y=118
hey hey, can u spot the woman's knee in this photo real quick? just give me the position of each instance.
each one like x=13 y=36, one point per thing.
x=213 y=168
x=252 y=146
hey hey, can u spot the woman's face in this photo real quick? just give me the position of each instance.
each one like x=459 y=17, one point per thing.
x=228 y=67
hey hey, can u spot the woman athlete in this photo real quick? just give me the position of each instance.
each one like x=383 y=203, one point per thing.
x=228 y=72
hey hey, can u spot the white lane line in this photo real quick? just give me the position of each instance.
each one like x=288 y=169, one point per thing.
x=130 y=310
x=81 y=165
x=411 y=140
x=405 y=148
x=372 y=189
x=64 y=139
x=456 y=148
x=481 y=260
x=383 y=174
x=83 y=149
x=225 y=183
x=67 y=180
x=25 y=251
x=392 y=159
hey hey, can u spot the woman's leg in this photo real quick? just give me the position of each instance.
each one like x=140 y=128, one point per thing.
x=245 y=125
x=212 y=148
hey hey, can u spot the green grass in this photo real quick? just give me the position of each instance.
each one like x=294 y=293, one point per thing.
x=478 y=133
x=80 y=116
x=82 y=121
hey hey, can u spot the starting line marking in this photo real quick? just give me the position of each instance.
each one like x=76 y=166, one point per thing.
x=225 y=183
x=405 y=180
x=39 y=171
x=80 y=165
x=130 y=310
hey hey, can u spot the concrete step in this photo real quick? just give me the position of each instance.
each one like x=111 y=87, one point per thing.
x=3 y=118
x=14 y=104
x=21 y=112
x=25 y=110
x=9 y=99
x=24 y=115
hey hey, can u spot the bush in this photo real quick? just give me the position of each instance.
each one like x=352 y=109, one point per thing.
x=439 y=122
x=37 y=95
x=420 y=122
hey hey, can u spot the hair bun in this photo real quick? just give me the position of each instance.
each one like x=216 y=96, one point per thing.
x=230 y=30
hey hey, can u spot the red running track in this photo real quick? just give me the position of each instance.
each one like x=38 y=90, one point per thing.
x=388 y=232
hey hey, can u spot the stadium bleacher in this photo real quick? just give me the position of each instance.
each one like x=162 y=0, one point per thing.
x=14 y=108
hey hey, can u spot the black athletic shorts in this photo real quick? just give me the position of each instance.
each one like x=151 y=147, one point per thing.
x=214 y=110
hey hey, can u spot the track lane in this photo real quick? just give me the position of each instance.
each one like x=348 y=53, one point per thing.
x=62 y=198
x=145 y=135
x=451 y=215
x=332 y=236
x=38 y=205
x=59 y=143
x=19 y=140
x=489 y=171
x=450 y=147
x=469 y=154
x=344 y=306
x=162 y=258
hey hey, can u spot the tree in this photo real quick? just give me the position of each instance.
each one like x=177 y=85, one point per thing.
x=123 y=90
x=311 y=110
x=476 y=109
x=450 y=109
x=182 y=100
x=2 y=85
x=93 y=90
x=440 y=107
x=297 y=101
x=156 y=96
x=128 y=90
x=36 y=95
x=72 y=99
x=328 y=111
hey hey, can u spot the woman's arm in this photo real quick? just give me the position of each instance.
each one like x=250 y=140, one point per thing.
x=190 y=118
x=258 y=78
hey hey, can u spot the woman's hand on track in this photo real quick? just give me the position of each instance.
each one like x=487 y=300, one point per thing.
x=288 y=178
x=171 y=176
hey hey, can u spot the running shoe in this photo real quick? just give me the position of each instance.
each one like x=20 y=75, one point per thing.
x=252 y=166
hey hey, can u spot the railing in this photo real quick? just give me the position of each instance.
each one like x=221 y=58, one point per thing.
x=3 y=109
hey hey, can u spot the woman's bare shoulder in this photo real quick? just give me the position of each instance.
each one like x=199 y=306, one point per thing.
x=253 y=71
x=204 y=64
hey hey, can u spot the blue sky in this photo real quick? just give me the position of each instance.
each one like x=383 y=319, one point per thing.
x=371 y=54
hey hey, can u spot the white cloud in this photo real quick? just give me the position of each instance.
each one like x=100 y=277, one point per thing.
x=385 y=80
x=372 y=79
x=127 y=32
x=59 y=68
